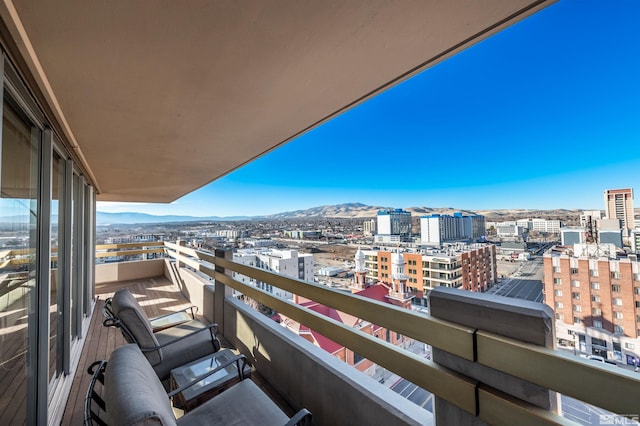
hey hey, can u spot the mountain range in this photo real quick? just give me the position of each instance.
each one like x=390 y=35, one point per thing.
x=347 y=210
x=104 y=218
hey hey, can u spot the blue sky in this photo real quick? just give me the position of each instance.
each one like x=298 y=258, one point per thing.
x=545 y=114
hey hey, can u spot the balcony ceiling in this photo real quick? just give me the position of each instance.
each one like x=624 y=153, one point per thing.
x=158 y=98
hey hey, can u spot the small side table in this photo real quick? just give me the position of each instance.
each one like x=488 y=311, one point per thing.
x=209 y=387
x=170 y=320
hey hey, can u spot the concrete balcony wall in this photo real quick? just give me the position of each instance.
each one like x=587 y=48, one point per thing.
x=309 y=377
x=192 y=285
x=125 y=271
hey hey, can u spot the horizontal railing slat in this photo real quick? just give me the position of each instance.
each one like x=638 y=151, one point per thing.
x=445 y=335
x=183 y=250
x=453 y=387
x=608 y=387
x=129 y=245
x=100 y=254
x=497 y=408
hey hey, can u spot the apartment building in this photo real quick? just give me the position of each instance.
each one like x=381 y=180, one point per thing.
x=369 y=227
x=518 y=227
x=137 y=238
x=468 y=266
x=594 y=290
x=230 y=233
x=509 y=230
x=437 y=229
x=298 y=234
x=285 y=262
x=394 y=226
x=550 y=226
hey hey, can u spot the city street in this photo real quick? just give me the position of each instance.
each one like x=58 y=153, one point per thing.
x=524 y=283
x=414 y=394
x=586 y=414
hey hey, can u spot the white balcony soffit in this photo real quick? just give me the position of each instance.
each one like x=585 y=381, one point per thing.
x=158 y=98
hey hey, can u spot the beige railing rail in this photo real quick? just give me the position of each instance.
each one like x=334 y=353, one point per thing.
x=16 y=257
x=608 y=387
x=129 y=249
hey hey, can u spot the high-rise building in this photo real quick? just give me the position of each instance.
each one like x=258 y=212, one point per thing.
x=618 y=204
x=437 y=229
x=394 y=226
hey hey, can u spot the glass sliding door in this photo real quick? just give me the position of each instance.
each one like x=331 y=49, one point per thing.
x=19 y=178
x=57 y=287
x=90 y=246
x=78 y=254
x=47 y=237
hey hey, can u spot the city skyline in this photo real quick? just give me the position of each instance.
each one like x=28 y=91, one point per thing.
x=542 y=115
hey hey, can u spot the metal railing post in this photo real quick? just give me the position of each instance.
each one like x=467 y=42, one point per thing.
x=181 y=243
x=221 y=291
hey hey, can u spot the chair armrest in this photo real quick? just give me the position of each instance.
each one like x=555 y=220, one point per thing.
x=302 y=417
x=235 y=358
x=179 y=339
x=96 y=369
x=106 y=309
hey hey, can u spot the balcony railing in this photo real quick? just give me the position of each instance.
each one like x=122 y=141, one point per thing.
x=127 y=250
x=611 y=388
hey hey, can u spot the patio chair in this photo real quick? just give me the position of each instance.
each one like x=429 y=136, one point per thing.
x=132 y=394
x=165 y=349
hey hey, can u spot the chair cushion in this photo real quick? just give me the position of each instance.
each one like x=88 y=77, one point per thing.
x=193 y=347
x=132 y=392
x=242 y=404
x=127 y=309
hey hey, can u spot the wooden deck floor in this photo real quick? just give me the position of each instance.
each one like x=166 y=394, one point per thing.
x=156 y=295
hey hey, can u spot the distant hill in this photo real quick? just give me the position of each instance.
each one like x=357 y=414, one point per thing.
x=359 y=210
x=104 y=218
x=346 y=211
